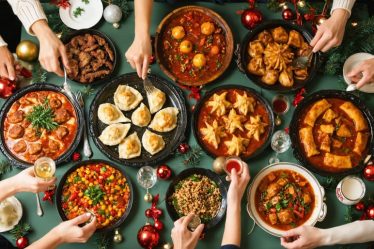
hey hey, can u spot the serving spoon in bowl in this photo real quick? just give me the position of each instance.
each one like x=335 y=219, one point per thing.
x=351 y=88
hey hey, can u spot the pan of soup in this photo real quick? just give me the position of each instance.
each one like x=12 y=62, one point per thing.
x=283 y=196
x=331 y=133
x=40 y=120
x=194 y=45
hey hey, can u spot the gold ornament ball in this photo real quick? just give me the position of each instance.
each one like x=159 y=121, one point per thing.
x=301 y=3
x=117 y=238
x=27 y=51
x=278 y=121
x=148 y=197
x=116 y=25
x=218 y=165
x=167 y=246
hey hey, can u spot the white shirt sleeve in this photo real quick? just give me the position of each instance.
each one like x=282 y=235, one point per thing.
x=343 y=4
x=2 y=42
x=355 y=232
x=28 y=11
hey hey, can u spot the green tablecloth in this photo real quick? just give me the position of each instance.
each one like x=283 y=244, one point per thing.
x=258 y=239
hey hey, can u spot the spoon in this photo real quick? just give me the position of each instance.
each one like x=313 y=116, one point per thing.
x=351 y=87
x=39 y=210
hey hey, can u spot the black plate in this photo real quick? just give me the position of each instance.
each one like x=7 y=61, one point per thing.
x=294 y=132
x=202 y=101
x=277 y=86
x=34 y=88
x=172 y=139
x=66 y=39
x=205 y=172
x=65 y=176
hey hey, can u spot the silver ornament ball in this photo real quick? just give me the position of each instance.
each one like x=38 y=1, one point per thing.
x=112 y=13
x=116 y=25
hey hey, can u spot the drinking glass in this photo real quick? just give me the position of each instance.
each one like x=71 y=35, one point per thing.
x=45 y=168
x=146 y=177
x=280 y=143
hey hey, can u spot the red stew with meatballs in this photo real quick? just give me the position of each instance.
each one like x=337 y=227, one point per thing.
x=40 y=123
x=284 y=199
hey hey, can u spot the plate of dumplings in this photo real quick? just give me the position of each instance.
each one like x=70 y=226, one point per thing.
x=233 y=120
x=136 y=128
x=271 y=55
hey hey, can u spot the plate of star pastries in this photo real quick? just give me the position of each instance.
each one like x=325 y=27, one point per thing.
x=233 y=120
x=270 y=52
x=134 y=127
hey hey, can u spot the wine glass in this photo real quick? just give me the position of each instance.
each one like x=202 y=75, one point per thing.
x=280 y=107
x=280 y=143
x=147 y=178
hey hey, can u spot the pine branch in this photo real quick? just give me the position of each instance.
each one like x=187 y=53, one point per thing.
x=39 y=75
x=20 y=230
x=104 y=241
x=5 y=167
x=192 y=157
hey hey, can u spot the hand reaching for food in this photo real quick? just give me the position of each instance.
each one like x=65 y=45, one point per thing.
x=139 y=54
x=303 y=237
x=7 y=63
x=330 y=33
x=184 y=238
x=363 y=73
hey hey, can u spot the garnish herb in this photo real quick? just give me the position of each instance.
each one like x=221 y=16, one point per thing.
x=41 y=117
x=78 y=12
x=95 y=193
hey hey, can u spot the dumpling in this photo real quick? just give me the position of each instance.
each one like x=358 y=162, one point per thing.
x=236 y=145
x=270 y=77
x=255 y=127
x=280 y=35
x=265 y=37
x=327 y=128
x=354 y=113
x=317 y=109
x=300 y=73
x=127 y=98
x=336 y=161
x=233 y=121
x=360 y=143
x=286 y=78
x=213 y=133
x=156 y=100
x=307 y=139
x=152 y=142
x=141 y=116
x=295 y=39
x=343 y=131
x=165 y=120
x=219 y=104
x=255 y=49
x=277 y=56
x=110 y=114
x=329 y=115
x=114 y=134
x=244 y=103
x=130 y=147
x=256 y=66
x=325 y=141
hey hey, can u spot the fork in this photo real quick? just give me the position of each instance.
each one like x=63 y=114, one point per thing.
x=66 y=86
x=86 y=145
x=302 y=61
x=148 y=86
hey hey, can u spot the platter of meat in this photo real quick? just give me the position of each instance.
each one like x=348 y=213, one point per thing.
x=92 y=56
x=40 y=120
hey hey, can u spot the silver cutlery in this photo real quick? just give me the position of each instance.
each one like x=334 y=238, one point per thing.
x=66 y=86
x=302 y=61
x=86 y=144
x=148 y=86
x=351 y=88
x=39 y=210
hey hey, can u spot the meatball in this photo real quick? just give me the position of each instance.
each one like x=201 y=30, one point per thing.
x=185 y=47
x=16 y=117
x=35 y=148
x=199 y=60
x=61 y=132
x=207 y=28
x=16 y=131
x=61 y=116
x=53 y=146
x=178 y=32
x=20 y=146
x=31 y=134
x=55 y=103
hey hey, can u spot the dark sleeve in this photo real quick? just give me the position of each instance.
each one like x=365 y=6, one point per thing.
x=230 y=247
x=5 y=244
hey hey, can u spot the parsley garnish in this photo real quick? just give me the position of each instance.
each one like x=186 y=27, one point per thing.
x=41 y=117
x=95 y=193
x=78 y=12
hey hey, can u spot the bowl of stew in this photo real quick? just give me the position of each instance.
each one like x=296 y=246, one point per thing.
x=283 y=196
x=194 y=45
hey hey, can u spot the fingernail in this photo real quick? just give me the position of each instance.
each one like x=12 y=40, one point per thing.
x=11 y=78
x=88 y=215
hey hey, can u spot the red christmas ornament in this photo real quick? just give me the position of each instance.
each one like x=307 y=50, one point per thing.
x=360 y=206
x=251 y=18
x=76 y=156
x=148 y=237
x=363 y=216
x=163 y=172
x=61 y=3
x=287 y=14
x=370 y=212
x=156 y=213
x=149 y=213
x=7 y=87
x=369 y=172
x=299 y=97
x=22 y=242
x=183 y=148
x=159 y=225
x=49 y=194
x=152 y=60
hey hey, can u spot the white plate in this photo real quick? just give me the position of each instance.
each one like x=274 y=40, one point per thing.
x=17 y=205
x=93 y=11
x=353 y=61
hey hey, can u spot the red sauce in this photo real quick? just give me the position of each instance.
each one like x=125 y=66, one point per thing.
x=279 y=106
x=206 y=116
x=233 y=164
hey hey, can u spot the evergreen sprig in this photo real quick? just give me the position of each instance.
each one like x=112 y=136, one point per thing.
x=5 y=167
x=192 y=157
x=20 y=230
x=39 y=75
x=104 y=241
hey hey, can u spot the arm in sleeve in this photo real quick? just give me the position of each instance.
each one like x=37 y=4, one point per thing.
x=2 y=42
x=343 y=4
x=355 y=232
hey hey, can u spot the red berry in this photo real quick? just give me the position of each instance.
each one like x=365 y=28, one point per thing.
x=159 y=225
x=183 y=148
x=360 y=206
x=149 y=213
x=22 y=242
x=76 y=156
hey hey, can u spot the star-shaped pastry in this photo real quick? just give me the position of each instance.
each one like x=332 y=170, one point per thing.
x=244 y=103
x=219 y=104
x=236 y=145
x=255 y=127
x=213 y=133
x=233 y=121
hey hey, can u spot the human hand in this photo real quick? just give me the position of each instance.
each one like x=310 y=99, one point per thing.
x=51 y=48
x=139 y=54
x=70 y=231
x=238 y=184
x=7 y=63
x=26 y=181
x=303 y=237
x=184 y=238
x=330 y=33
x=363 y=73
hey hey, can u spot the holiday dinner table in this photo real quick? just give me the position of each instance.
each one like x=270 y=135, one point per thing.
x=258 y=239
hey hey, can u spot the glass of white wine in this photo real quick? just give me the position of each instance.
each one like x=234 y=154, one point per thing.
x=280 y=143
x=45 y=168
x=147 y=178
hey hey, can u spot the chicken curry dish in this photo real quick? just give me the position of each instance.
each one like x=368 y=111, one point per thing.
x=284 y=199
